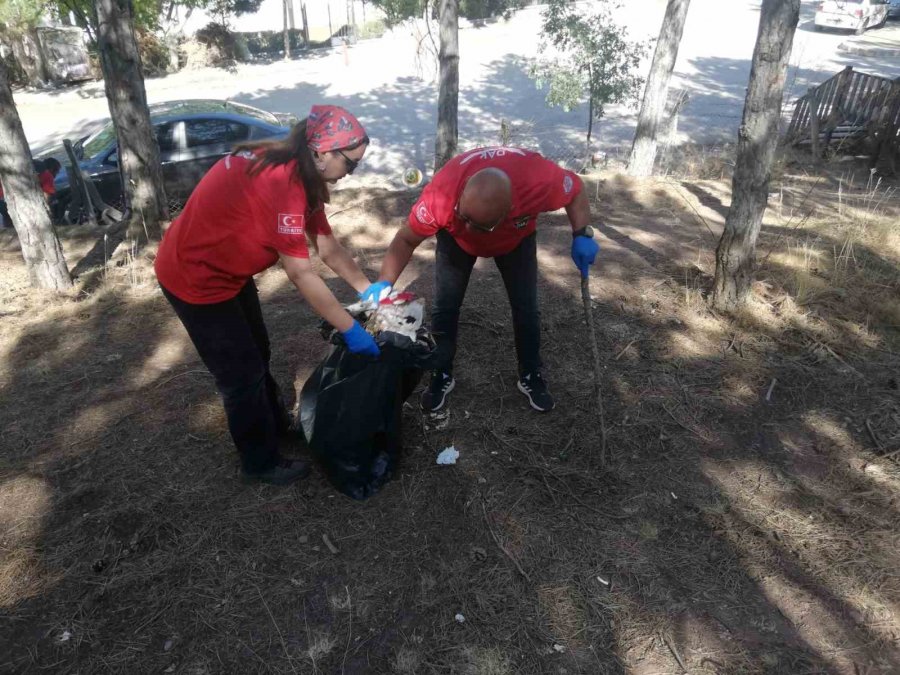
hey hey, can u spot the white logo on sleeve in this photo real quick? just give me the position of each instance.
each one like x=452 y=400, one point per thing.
x=291 y=223
x=423 y=215
x=567 y=183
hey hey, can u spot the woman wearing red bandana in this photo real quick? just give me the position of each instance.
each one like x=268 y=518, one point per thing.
x=260 y=205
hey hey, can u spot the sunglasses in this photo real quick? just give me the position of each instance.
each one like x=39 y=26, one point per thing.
x=477 y=226
x=351 y=164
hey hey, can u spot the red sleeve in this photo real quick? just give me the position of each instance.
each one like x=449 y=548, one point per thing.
x=318 y=222
x=46 y=180
x=434 y=209
x=560 y=186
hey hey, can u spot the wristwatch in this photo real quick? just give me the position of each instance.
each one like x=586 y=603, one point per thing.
x=586 y=231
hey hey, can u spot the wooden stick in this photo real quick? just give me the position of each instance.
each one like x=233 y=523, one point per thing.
x=502 y=548
x=771 y=387
x=331 y=547
x=874 y=435
x=598 y=386
x=619 y=355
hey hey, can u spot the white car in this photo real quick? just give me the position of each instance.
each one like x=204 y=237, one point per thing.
x=855 y=15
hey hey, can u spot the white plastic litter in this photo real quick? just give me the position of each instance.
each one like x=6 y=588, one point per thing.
x=460 y=618
x=448 y=456
x=400 y=312
x=559 y=649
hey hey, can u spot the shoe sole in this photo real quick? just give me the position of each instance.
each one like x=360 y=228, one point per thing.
x=531 y=401
x=443 y=399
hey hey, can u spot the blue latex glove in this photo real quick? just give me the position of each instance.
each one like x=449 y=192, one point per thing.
x=584 y=250
x=376 y=292
x=359 y=341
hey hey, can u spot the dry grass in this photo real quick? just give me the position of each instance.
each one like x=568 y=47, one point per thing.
x=746 y=524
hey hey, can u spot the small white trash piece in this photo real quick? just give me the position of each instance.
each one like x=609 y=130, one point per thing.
x=460 y=618
x=448 y=455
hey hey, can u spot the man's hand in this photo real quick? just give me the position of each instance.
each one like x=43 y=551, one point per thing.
x=376 y=292
x=584 y=251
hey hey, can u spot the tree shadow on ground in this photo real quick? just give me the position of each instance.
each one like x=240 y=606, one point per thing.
x=129 y=533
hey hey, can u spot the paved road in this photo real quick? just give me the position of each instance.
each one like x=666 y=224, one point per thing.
x=394 y=95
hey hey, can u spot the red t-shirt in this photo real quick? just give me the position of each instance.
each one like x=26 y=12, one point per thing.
x=234 y=226
x=45 y=178
x=538 y=185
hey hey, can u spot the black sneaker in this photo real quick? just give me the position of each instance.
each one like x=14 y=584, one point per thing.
x=434 y=398
x=533 y=386
x=285 y=472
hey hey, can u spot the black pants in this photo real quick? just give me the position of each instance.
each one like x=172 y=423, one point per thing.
x=231 y=339
x=453 y=267
x=4 y=215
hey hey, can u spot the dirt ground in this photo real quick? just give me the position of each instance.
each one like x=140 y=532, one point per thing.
x=747 y=520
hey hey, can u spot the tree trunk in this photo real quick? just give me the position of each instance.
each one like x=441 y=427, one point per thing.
x=27 y=53
x=643 y=150
x=287 y=32
x=757 y=139
x=588 y=155
x=41 y=249
x=138 y=150
x=448 y=97
x=305 y=24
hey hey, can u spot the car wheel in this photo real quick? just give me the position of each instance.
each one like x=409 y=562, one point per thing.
x=862 y=28
x=817 y=28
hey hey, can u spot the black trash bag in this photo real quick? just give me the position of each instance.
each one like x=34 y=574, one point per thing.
x=351 y=407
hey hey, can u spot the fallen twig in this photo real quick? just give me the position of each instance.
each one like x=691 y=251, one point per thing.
x=874 y=435
x=287 y=654
x=502 y=548
x=331 y=547
x=619 y=355
x=771 y=387
x=674 y=651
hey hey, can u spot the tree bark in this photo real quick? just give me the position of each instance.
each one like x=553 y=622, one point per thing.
x=41 y=249
x=138 y=150
x=757 y=139
x=445 y=143
x=305 y=24
x=287 y=33
x=28 y=55
x=588 y=155
x=643 y=150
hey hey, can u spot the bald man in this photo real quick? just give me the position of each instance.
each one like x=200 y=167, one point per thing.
x=484 y=204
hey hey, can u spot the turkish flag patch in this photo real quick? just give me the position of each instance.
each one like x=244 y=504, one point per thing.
x=423 y=215
x=291 y=223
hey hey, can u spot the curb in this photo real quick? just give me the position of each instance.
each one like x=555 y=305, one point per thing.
x=869 y=51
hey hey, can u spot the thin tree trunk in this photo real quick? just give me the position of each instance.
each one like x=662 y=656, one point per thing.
x=448 y=97
x=287 y=32
x=643 y=150
x=305 y=24
x=589 y=156
x=28 y=55
x=757 y=139
x=127 y=98
x=41 y=249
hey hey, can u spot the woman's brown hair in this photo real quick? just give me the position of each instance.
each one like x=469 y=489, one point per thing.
x=286 y=150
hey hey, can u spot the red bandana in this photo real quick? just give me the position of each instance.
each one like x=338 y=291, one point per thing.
x=330 y=127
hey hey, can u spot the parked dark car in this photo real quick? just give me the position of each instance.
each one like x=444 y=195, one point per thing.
x=192 y=136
